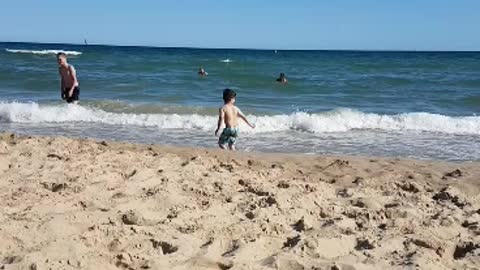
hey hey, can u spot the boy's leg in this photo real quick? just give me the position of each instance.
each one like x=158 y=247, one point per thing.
x=231 y=142
x=76 y=95
x=222 y=141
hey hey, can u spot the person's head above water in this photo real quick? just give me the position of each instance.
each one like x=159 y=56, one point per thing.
x=229 y=95
x=61 y=59
x=202 y=71
x=282 y=78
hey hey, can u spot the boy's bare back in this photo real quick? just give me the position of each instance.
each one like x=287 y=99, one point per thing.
x=231 y=114
x=228 y=115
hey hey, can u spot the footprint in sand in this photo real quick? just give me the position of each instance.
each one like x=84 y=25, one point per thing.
x=454 y=174
x=131 y=218
x=166 y=247
x=54 y=187
x=464 y=249
x=292 y=241
x=234 y=246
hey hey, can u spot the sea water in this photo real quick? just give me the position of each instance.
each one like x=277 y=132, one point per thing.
x=422 y=105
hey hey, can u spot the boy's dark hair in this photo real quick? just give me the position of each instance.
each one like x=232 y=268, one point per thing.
x=61 y=54
x=228 y=94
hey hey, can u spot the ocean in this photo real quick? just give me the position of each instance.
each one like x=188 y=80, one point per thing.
x=422 y=105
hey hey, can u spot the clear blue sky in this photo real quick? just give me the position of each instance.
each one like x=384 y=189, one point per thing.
x=280 y=24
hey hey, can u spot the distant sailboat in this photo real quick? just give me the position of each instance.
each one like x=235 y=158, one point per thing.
x=85 y=41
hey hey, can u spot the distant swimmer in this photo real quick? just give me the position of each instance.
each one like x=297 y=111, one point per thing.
x=228 y=115
x=282 y=78
x=202 y=72
x=69 y=86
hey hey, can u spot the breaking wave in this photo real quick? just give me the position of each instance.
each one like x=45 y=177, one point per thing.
x=341 y=120
x=43 y=52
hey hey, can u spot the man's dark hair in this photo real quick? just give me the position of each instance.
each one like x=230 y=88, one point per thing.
x=228 y=94
x=62 y=54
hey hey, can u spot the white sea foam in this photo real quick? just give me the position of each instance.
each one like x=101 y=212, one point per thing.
x=226 y=60
x=43 y=52
x=342 y=120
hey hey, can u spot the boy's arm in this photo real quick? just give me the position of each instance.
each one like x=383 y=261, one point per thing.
x=221 y=116
x=62 y=85
x=74 y=78
x=241 y=115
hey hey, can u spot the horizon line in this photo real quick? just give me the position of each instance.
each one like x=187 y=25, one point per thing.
x=235 y=48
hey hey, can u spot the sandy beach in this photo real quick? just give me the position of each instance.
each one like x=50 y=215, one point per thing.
x=85 y=204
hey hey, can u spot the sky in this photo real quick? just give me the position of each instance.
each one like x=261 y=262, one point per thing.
x=260 y=24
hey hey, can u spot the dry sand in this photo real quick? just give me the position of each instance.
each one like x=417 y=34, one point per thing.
x=82 y=204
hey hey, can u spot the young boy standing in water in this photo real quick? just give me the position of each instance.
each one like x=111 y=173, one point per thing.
x=69 y=89
x=228 y=115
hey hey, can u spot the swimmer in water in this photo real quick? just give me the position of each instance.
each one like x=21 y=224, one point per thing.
x=282 y=78
x=202 y=72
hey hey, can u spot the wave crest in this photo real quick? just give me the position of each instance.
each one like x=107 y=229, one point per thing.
x=43 y=52
x=342 y=120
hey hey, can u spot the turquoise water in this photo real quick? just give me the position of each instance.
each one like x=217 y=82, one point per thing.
x=407 y=104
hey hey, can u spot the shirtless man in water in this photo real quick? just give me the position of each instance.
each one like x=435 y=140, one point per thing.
x=69 y=89
x=228 y=115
